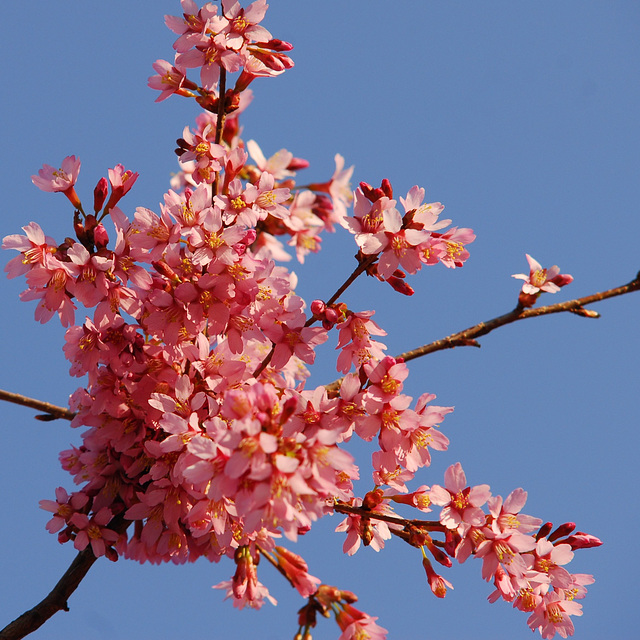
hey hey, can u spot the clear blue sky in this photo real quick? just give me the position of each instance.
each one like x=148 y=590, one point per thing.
x=522 y=118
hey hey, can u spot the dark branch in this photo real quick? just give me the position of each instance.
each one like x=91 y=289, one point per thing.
x=52 y=412
x=468 y=337
x=54 y=602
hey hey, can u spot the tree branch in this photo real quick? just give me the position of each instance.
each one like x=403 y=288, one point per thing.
x=54 y=602
x=52 y=412
x=468 y=337
x=431 y=525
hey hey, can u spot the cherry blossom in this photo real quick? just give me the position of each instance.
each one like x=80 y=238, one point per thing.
x=201 y=428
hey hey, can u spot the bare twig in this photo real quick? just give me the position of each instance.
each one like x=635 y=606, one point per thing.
x=52 y=412
x=468 y=337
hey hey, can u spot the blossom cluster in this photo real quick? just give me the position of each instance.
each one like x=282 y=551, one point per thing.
x=203 y=439
x=521 y=556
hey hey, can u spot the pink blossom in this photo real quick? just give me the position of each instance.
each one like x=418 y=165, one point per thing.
x=461 y=503
x=33 y=248
x=507 y=516
x=243 y=23
x=121 y=181
x=169 y=80
x=355 y=342
x=340 y=190
x=549 y=558
x=553 y=615
x=357 y=625
x=504 y=550
x=62 y=179
x=94 y=531
x=374 y=531
x=296 y=570
x=539 y=280
x=388 y=472
x=63 y=508
x=454 y=242
x=437 y=583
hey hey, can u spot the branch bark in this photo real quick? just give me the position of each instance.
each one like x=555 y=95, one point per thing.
x=468 y=337
x=54 y=602
x=52 y=412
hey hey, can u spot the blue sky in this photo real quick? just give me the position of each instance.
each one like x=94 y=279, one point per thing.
x=522 y=118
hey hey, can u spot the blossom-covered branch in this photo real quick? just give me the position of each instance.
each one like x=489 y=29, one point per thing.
x=200 y=430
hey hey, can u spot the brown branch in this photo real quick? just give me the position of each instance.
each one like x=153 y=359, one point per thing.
x=432 y=525
x=56 y=601
x=220 y=124
x=52 y=412
x=468 y=337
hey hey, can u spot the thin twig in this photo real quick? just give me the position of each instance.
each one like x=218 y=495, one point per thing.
x=52 y=412
x=468 y=337
x=431 y=525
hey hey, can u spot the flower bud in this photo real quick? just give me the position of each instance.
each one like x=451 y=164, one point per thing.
x=100 y=236
x=580 y=540
x=318 y=307
x=100 y=194
x=373 y=499
x=544 y=530
x=562 y=531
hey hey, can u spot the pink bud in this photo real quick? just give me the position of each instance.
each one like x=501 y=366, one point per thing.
x=297 y=163
x=276 y=45
x=580 y=540
x=400 y=286
x=544 y=530
x=318 y=307
x=562 y=279
x=100 y=236
x=373 y=498
x=100 y=194
x=562 y=531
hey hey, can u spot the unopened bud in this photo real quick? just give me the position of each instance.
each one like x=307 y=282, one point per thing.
x=100 y=194
x=276 y=45
x=438 y=554
x=164 y=269
x=562 y=279
x=368 y=191
x=562 y=531
x=318 y=307
x=366 y=532
x=544 y=530
x=297 y=163
x=400 y=286
x=373 y=499
x=580 y=540
x=100 y=236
